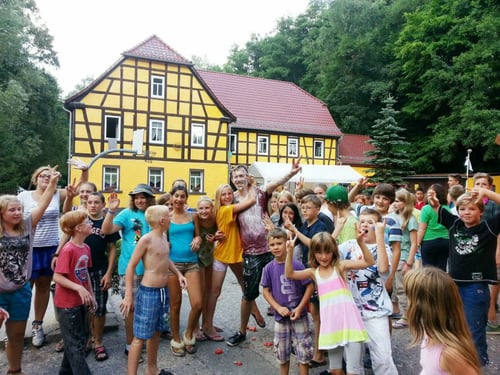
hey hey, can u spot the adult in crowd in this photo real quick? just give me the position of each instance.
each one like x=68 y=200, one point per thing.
x=253 y=233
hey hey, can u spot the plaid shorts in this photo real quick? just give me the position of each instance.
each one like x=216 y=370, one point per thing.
x=293 y=332
x=101 y=295
x=151 y=312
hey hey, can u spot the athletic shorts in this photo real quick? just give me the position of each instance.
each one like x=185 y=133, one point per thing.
x=17 y=303
x=252 y=273
x=151 y=312
x=101 y=295
x=42 y=259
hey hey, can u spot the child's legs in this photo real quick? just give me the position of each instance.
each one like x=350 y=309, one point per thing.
x=152 y=354
x=134 y=356
x=206 y=284
x=335 y=360
x=15 y=334
x=476 y=300
x=42 y=295
x=352 y=354
x=218 y=276
x=494 y=289
x=237 y=269
x=380 y=346
x=399 y=292
x=314 y=308
x=302 y=340
x=175 y=305
x=129 y=320
x=74 y=325
x=98 y=318
x=195 y=300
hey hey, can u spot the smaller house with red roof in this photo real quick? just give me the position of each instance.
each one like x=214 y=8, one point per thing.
x=352 y=149
x=195 y=124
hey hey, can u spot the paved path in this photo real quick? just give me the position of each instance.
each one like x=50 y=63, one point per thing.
x=255 y=357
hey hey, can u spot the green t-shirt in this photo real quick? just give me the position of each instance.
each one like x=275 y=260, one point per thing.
x=434 y=229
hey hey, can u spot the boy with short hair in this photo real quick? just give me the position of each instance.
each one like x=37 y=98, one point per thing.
x=288 y=298
x=151 y=310
x=103 y=253
x=368 y=289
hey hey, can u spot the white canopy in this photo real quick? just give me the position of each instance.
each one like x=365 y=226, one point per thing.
x=327 y=174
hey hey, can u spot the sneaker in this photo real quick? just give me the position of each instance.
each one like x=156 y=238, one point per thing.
x=37 y=335
x=492 y=329
x=236 y=339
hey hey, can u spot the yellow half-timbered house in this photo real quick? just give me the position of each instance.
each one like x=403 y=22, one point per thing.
x=190 y=124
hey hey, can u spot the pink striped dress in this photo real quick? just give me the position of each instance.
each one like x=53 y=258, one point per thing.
x=341 y=321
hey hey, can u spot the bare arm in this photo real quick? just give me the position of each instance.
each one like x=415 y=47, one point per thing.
x=107 y=225
x=270 y=187
x=455 y=364
x=71 y=193
x=106 y=278
x=413 y=251
x=46 y=198
x=296 y=312
x=422 y=227
x=481 y=193
x=268 y=296
x=356 y=264
x=382 y=258
x=308 y=273
x=356 y=188
x=247 y=203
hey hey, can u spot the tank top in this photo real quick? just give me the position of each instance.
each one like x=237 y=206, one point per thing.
x=180 y=237
x=429 y=359
x=341 y=321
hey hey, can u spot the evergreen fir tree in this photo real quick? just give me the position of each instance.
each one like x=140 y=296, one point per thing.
x=390 y=155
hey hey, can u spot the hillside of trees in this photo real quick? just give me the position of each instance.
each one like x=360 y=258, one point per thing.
x=438 y=61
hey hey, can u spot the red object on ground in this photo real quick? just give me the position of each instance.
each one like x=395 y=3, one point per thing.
x=238 y=363
x=219 y=351
x=268 y=344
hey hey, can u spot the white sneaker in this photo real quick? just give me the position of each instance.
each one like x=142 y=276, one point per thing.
x=37 y=335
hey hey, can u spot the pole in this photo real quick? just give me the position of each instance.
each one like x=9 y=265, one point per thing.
x=467 y=166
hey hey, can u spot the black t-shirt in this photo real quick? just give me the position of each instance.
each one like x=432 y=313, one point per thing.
x=98 y=244
x=472 y=250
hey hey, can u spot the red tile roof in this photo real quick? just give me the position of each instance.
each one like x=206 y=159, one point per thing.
x=271 y=105
x=352 y=148
x=156 y=49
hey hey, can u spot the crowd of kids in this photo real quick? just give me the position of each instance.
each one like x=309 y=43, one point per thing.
x=350 y=261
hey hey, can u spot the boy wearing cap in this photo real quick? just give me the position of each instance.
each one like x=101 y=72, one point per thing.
x=345 y=222
x=132 y=223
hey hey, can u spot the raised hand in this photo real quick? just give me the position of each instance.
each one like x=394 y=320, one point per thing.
x=78 y=164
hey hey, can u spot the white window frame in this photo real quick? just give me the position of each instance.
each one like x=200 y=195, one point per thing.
x=197 y=134
x=155 y=178
x=157 y=87
x=111 y=173
x=319 y=146
x=117 y=130
x=156 y=131
x=293 y=143
x=233 y=143
x=262 y=145
x=196 y=177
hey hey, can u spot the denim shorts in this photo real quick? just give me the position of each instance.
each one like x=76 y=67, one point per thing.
x=151 y=312
x=17 y=303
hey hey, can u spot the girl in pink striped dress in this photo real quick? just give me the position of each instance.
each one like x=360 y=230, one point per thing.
x=341 y=324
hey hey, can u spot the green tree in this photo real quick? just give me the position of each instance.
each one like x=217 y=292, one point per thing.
x=33 y=124
x=449 y=58
x=390 y=155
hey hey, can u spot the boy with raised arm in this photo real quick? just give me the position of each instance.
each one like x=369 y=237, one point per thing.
x=151 y=310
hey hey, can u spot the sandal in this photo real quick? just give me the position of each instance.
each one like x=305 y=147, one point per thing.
x=260 y=323
x=400 y=323
x=60 y=346
x=100 y=353
x=177 y=348
x=189 y=345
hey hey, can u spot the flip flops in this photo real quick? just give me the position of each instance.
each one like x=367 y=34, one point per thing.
x=400 y=323
x=261 y=324
x=216 y=337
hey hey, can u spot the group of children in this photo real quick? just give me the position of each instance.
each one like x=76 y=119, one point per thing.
x=343 y=277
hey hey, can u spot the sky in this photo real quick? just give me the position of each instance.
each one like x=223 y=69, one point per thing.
x=90 y=36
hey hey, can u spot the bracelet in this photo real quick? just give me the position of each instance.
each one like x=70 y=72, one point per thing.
x=55 y=255
x=408 y=264
x=111 y=212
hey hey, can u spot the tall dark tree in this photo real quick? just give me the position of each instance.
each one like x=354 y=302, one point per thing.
x=33 y=124
x=390 y=155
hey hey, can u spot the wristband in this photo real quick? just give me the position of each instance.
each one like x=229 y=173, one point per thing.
x=111 y=212
x=55 y=255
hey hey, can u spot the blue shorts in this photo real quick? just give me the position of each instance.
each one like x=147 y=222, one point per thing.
x=17 y=303
x=151 y=312
x=42 y=258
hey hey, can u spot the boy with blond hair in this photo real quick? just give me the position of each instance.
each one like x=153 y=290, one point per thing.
x=151 y=310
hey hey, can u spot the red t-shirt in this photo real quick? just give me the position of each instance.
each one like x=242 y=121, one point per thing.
x=73 y=262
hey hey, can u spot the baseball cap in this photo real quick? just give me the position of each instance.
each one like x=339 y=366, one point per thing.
x=337 y=194
x=142 y=188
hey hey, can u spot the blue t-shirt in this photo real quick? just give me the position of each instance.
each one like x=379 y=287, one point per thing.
x=133 y=226
x=310 y=231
